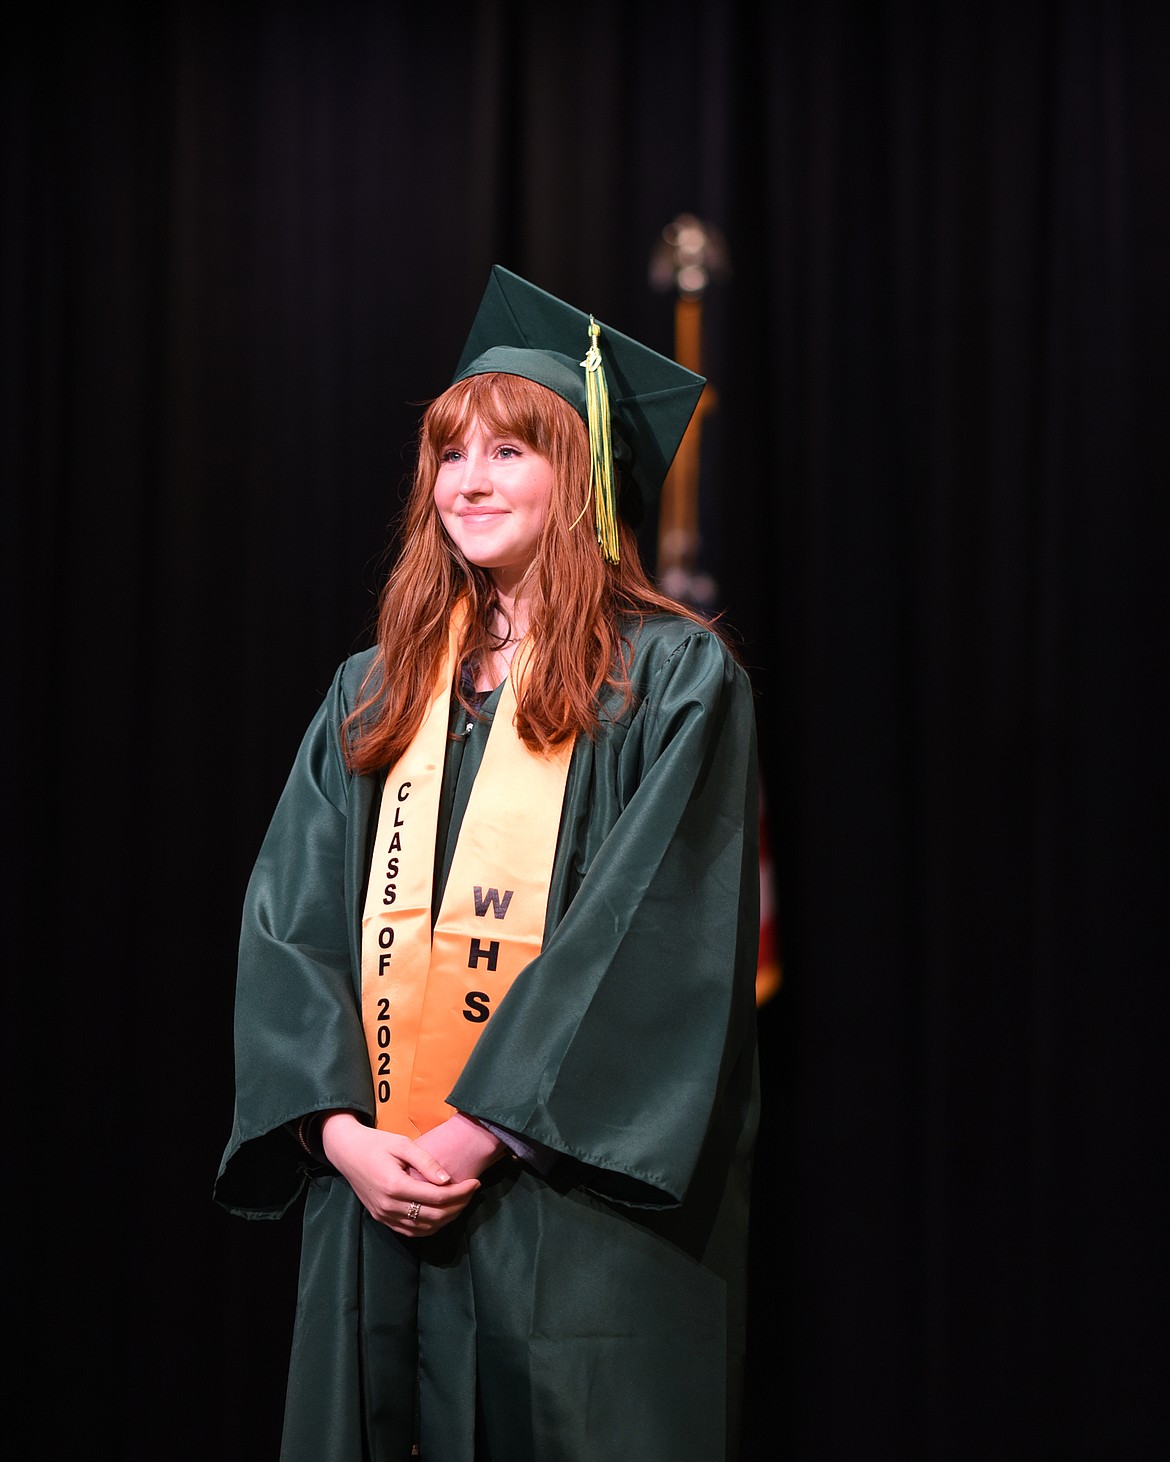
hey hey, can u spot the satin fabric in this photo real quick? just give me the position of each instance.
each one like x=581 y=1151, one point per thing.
x=598 y=1311
x=415 y=980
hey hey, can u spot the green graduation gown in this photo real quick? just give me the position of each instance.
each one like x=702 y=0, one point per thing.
x=596 y=1312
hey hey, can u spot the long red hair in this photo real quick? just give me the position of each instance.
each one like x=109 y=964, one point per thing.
x=576 y=601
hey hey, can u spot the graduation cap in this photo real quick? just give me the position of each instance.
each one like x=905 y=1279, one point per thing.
x=635 y=402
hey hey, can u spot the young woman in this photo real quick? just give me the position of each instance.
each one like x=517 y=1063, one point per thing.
x=495 y=1008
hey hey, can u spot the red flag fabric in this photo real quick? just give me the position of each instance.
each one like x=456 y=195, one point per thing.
x=768 y=968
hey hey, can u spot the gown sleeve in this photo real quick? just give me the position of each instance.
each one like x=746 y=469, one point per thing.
x=298 y=1039
x=630 y=1039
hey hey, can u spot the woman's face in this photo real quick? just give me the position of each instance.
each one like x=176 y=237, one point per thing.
x=492 y=495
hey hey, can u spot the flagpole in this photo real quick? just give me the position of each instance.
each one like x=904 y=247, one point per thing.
x=688 y=254
x=685 y=258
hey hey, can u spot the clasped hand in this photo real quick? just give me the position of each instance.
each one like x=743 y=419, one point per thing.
x=413 y=1187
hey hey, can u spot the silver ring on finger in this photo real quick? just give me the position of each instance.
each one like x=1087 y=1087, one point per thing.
x=412 y=1211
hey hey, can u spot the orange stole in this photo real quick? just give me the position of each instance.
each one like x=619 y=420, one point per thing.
x=425 y=1000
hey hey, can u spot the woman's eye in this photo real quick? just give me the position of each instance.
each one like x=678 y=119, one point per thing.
x=509 y=451
x=450 y=454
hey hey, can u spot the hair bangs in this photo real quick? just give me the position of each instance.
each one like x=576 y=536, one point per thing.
x=507 y=406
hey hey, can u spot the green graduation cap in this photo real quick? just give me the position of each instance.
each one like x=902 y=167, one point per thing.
x=635 y=402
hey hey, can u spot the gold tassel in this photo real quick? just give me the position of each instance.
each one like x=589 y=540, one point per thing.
x=600 y=447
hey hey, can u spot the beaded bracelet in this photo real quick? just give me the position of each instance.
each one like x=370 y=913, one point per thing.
x=304 y=1134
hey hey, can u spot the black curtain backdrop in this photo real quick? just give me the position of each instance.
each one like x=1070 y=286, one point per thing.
x=240 y=244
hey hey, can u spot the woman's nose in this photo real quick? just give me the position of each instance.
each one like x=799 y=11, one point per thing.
x=475 y=478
